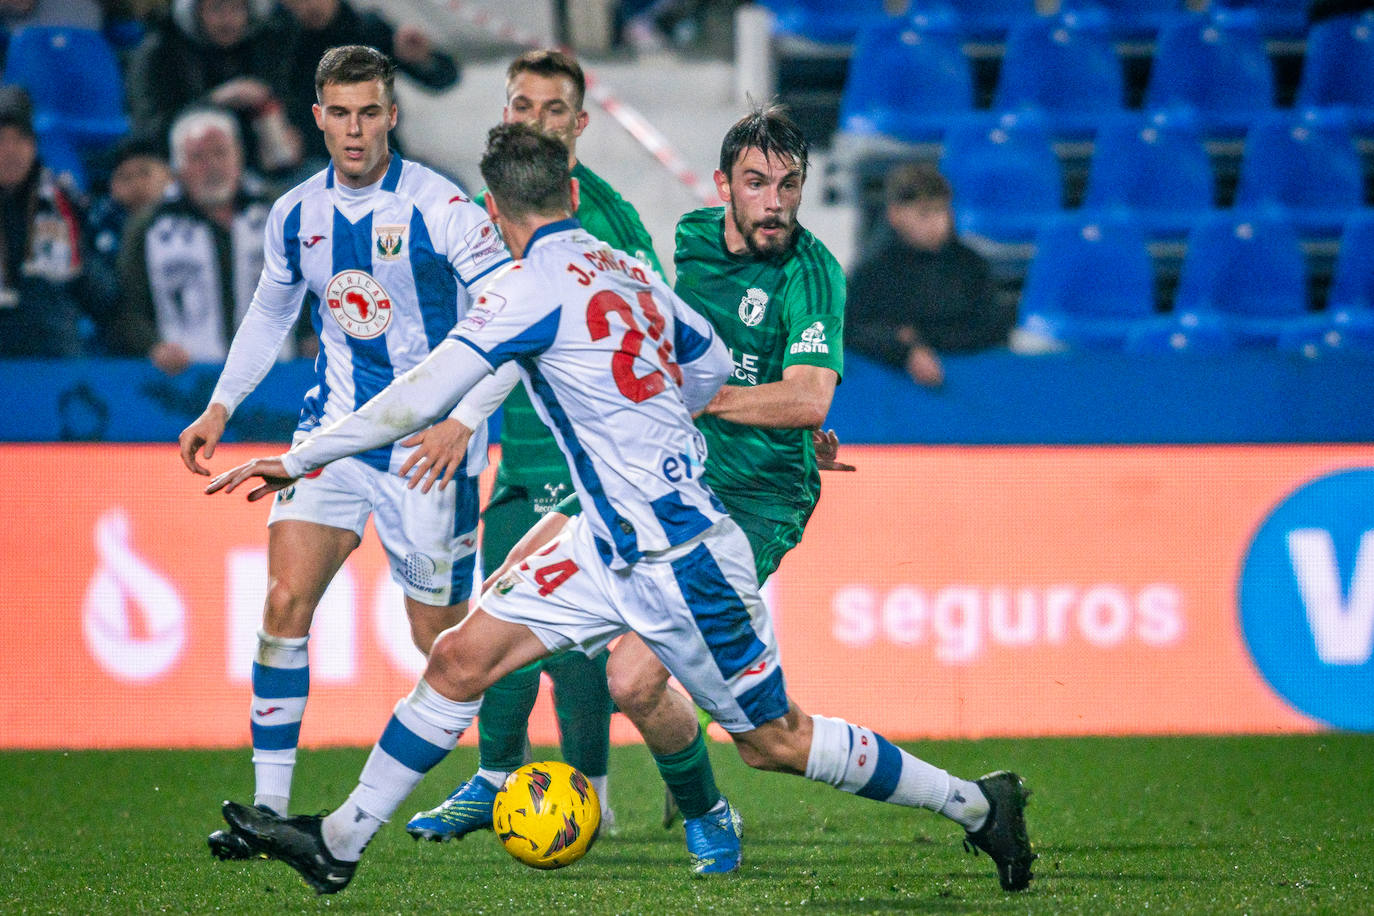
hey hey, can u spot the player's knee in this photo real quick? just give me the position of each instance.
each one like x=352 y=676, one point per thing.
x=288 y=610
x=454 y=670
x=636 y=690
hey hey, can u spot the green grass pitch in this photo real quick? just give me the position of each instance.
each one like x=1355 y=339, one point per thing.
x=1128 y=825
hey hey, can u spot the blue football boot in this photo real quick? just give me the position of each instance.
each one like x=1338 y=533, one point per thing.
x=467 y=809
x=714 y=841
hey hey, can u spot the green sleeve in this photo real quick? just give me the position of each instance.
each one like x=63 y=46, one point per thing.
x=570 y=506
x=815 y=311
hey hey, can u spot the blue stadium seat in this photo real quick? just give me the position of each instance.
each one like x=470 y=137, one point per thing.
x=1065 y=66
x=77 y=90
x=1004 y=173
x=823 y=21
x=1091 y=281
x=74 y=81
x=1155 y=166
x=1352 y=285
x=1305 y=162
x=1285 y=19
x=1189 y=333
x=1338 y=69
x=991 y=20
x=1131 y=20
x=906 y=80
x=1216 y=64
x=1246 y=269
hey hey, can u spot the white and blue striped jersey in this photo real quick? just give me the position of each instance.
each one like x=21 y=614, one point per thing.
x=615 y=364
x=385 y=273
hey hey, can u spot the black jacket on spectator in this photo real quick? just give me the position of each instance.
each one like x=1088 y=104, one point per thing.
x=174 y=67
x=946 y=296
x=41 y=272
x=302 y=49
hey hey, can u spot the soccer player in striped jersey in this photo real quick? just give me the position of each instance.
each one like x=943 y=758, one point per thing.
x=385 y=254
x=544 y=88
x=616 y=364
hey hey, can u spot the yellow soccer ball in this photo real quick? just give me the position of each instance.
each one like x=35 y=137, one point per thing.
x=547 y=814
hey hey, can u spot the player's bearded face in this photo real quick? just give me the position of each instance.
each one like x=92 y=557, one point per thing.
x=762 y=195
x=355 y=119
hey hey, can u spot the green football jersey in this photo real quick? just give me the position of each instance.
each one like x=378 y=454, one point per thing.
x=772 y=313
x=529 y=456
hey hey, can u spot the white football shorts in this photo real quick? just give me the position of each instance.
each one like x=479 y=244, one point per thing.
x=430 y=538
x=696 y=606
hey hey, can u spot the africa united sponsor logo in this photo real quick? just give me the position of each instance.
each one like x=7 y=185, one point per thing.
x=358 y=303
x=812 y=340
x=752 y=306
x=390 y=242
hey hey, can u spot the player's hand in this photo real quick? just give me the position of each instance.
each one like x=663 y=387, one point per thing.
x=204 y=433
x=827 y=446
x=924 y=367
x=271 y=470
x=439 y=453
x=411 y=44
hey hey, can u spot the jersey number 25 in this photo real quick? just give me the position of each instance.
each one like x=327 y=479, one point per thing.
x=635 y=387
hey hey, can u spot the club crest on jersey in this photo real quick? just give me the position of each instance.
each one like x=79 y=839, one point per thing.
x=390 y=242
x=358 y=303
x=752 y=306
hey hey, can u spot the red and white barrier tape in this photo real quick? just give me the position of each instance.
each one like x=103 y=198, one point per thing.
x=634 y=123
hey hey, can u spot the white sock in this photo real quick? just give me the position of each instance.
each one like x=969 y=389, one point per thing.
x=281 y=684
x=602 y=786
x=495 y=778
x=857 y=760
x=424 y=727
x=966 y=804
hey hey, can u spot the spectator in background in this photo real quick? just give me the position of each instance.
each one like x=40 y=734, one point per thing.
x=139 y=179
x=311 y=27
x=40 y=235
x=188 y=268
x=225 y=53
x=922 y=292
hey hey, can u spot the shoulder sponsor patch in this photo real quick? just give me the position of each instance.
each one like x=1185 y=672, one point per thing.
x=487 y=306
x=483 y=240
x=812 y=340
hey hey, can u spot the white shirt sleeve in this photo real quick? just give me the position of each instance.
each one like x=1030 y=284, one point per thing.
x=258 y=341
x=484 y=397
x=413 y=401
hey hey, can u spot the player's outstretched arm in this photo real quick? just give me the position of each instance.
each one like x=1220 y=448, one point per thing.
x=205 y=434
x=271 y=470
x=799 y=401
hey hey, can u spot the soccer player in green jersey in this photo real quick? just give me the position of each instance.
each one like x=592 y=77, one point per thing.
x=775 y=295
x=544 y=88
